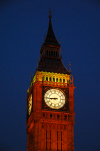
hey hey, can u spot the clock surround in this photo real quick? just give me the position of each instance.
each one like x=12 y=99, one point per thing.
x=55 y=98
x=63 y=90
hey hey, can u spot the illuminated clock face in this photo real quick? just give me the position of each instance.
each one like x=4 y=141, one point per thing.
x=54 y=98
x=30 y=105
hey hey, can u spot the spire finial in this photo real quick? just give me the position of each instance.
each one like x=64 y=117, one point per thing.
x=31 y=76
x=69 y=67
x=59 y=40
x=50 y=12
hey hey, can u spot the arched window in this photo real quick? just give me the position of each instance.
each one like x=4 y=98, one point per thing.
x=49 y=78
x=56 y=79
x=53 y=79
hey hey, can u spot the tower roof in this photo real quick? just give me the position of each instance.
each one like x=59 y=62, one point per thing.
x=50 y=37
x=52 y=65
x=51 y=59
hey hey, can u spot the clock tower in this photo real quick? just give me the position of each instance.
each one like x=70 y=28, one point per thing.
x=50 y=101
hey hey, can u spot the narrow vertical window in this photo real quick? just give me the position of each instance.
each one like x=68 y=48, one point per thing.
x=57 y=116
x=65 y=116
x=46 y=134
x=57 y=140
x=46 y=145
x=61 y=140
x=43 y=115
x=61 y=135
x=50 y=145
x=57 y=135
x=57 y=146
x=61 y=146
x=50 y=139
x=50 y=116
x=46 y=139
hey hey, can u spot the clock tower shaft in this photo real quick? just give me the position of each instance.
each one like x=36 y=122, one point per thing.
x=50 y=126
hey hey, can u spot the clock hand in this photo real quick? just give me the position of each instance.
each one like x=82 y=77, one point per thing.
x=50 y=98
x=53 y=98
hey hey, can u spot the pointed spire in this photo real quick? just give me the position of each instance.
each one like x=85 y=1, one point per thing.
x=50 y=37
x=50 y=12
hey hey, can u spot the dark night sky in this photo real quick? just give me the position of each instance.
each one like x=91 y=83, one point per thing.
x=22 y=27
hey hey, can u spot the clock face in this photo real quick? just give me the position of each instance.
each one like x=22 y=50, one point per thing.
x=30 y=105
x=54 y=98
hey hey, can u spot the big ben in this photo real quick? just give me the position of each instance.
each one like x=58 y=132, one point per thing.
x=50 y=101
